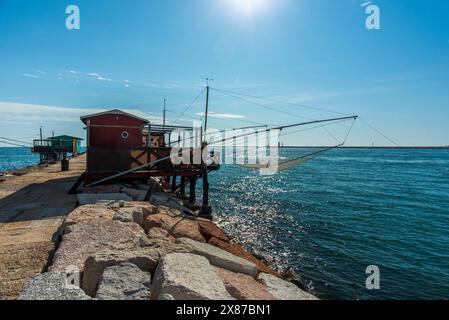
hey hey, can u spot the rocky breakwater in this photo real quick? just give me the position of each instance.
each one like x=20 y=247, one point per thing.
x=114 y=248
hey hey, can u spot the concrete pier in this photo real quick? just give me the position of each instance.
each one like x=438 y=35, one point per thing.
x=32 y=208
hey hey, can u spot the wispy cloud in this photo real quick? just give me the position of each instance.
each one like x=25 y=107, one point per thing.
x=222 y=115
x=33 y=76
x=22 y=112
x=96 y=75
x=104 y=79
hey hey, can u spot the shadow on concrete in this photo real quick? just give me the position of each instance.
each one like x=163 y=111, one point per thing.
x=37 y=201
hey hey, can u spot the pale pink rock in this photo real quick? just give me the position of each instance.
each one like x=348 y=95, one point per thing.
x=87 y=238
x=187 y=229
x=89 y=213
x=243 y=287
x=158 y=221
x=160 y=233
x=177 y=227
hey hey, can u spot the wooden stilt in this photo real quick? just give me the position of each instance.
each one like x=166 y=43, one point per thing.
x=206 y=209
x=183 y=186
x=192 y=185
x=173 y=184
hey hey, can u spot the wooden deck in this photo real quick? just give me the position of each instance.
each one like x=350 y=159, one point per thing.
x=32 y=208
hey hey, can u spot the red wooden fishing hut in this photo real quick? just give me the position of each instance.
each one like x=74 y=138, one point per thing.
x=121 y=144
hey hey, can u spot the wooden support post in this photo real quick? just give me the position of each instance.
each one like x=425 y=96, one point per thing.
x=183 y=186
x=192 y=185
x=206 y=209
x=173 y=184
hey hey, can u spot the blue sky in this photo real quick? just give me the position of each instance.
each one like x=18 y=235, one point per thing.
x=133 y=54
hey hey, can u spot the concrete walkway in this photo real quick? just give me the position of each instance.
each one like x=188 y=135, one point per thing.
x=32 y=208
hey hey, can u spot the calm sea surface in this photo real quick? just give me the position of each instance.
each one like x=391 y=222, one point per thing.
x=17 y=158
x=336 y=215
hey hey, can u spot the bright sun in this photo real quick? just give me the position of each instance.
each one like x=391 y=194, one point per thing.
x=247 y=7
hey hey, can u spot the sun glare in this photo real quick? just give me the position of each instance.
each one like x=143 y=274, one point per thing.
x=247 y=7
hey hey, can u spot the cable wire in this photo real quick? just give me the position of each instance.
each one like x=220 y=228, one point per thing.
x=187 y=109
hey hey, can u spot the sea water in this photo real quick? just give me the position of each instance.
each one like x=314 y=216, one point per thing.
x=12 y=158
x=331 y=218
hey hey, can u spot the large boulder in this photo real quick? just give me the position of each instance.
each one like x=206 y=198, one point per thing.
x=124 y=282
x=243 y=287
x=139 y=214
x=145 y=256
x=51 y=286
x=124 y=216
x=138 y=210
x=135 y=194
x=186 y=228
x=93 y=198
x=174 y=213
x=159 y=220
x=186 y=276
x=220 y=258
x=169 y=201
x=283 y=290
x=89 y=213
x=160 y=233
x=210 y=230
x=239 y=251
x=87 y=238
x=177 y=227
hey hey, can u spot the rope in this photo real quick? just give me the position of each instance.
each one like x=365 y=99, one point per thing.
x=302 y=130
x=225 y=92
x=349 y=132
x=283 y=102
x=379 y=132
x=14 y=140
x=202 y=91
x=14 y=144
x=233 y=94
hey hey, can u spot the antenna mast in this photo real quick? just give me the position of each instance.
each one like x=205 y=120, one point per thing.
x=165 y=101
x=206 y=210
x=206 y=114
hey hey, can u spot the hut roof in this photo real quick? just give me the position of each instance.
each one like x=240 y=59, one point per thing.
x=115 y=111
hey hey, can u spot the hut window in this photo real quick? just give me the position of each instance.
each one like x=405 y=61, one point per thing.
x=125 y=135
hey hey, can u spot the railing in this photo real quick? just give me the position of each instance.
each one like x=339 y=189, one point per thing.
x=50 y=146
x=118 y=160
x=49 y=143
